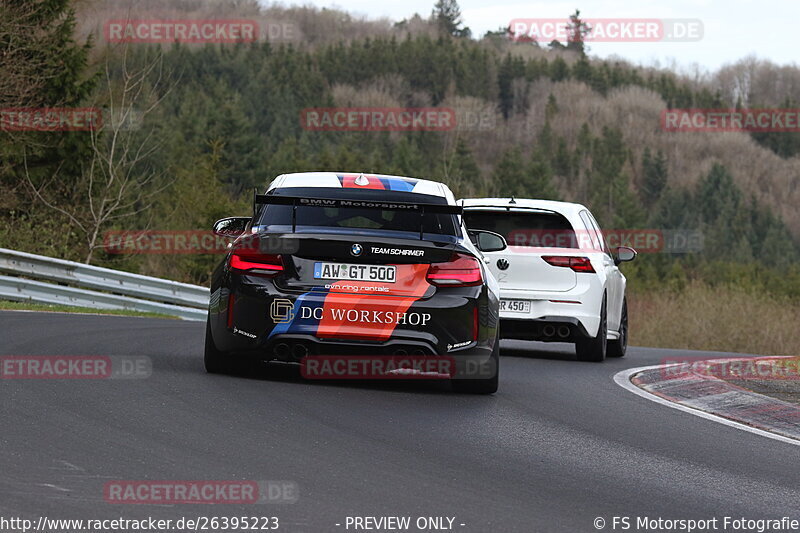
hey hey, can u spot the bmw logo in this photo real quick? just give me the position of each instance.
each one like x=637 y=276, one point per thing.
x=356 y=249
x=502 y=264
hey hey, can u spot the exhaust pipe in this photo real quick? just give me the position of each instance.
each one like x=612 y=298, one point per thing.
x=548 y=330
x=299 y=351
x=418 y=351
x=281 y=350
x=401 y=352
x=563 y=331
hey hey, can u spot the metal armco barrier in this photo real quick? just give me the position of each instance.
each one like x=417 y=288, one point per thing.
x=95 y=287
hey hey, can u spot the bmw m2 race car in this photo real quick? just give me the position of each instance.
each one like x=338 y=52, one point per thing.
x=349 y=265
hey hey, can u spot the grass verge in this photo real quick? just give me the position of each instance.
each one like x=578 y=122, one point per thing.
x=701 y=317
x=58 y=308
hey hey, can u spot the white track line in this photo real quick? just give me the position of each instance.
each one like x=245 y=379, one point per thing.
x=623 y=379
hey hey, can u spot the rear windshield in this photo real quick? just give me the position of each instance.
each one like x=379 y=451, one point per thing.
x=540 y=229
x=278 y=218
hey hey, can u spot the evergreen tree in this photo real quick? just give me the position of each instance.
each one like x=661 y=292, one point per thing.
x=654 y=171
x=545 y=138
x=465 y=175
x=551 y=108
x=559 y=70
x=447 y=15
x=540 y=172
x=577 y=30
x=42 y=66
x=510 y=177
x=563 y=163
x=609 y=185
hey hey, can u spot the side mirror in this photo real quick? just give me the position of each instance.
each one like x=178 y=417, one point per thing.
x=624 y=253
x=488 y=241
x=231 y=227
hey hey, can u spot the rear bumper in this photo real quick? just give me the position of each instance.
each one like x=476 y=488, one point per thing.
x=471 y=362
x=243 y=321
x=578 y=309
x=547 y=329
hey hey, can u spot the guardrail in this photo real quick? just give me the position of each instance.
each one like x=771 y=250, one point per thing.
x=83 y=285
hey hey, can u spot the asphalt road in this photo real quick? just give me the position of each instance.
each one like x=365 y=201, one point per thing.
x=559 y=445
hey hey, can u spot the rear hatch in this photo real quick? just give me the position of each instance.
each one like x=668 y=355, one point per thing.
x=365 y=241
x=359 y=264
x=356 y=261
x=531 y=234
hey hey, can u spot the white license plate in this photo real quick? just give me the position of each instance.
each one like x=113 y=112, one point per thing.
x=350 y=272
x=516 y=306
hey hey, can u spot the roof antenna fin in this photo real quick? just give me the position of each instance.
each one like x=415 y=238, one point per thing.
x=512 y=201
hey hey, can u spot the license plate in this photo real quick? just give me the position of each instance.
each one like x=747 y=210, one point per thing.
x=516 y=306
x=350 y=272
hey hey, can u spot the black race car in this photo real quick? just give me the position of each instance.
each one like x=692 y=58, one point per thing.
x=358 y=275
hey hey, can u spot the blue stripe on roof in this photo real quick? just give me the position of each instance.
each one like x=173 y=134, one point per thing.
x=398 y=184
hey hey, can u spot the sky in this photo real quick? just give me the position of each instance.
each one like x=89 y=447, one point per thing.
x=731 y=29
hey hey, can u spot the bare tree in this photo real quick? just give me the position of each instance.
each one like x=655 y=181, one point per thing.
x=117 y=182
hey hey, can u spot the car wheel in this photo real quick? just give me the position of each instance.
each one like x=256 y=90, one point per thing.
x=215 y=361
x=594 y=349
x=482 y=386
x=617 y=348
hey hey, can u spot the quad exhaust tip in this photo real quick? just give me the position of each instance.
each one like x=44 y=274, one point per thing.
x=552 y=331
x=281 y=350
x=299 y=351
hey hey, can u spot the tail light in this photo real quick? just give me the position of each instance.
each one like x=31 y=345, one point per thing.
x=253 y=262
x=578 y=264
x=460 y=271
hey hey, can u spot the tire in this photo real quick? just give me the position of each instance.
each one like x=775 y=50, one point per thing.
x=594 y=349
x=617 y=348
x=482 y=386
x=215 y=361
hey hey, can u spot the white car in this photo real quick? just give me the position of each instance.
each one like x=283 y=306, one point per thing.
x=559 y=281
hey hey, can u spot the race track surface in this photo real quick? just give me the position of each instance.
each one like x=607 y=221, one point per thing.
x=559 y=445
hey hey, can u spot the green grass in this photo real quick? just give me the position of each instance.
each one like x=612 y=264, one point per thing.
x=60 y=308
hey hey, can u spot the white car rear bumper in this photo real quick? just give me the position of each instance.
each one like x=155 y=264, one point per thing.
x=579 y=305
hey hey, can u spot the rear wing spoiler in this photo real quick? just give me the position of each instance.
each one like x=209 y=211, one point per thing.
x=507 y=208
x=299 y=201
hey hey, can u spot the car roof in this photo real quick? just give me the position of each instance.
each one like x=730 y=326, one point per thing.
x=529 y=203
x=363 y=180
